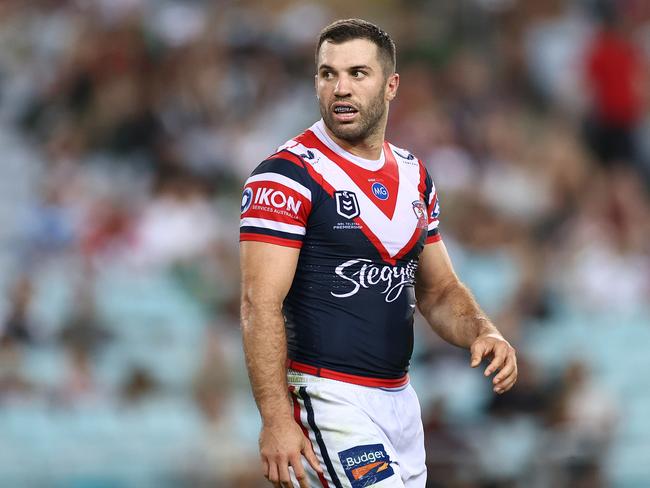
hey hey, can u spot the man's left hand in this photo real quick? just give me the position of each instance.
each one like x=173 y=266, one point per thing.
x=503 y=360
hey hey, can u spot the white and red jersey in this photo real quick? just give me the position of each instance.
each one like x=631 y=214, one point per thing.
x=360 y=226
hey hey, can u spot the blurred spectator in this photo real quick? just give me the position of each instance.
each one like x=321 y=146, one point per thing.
x=18 y=325
x=212 y=381
x=80 y=385
x=178 y=224
x=532 y=396
x=13 y=382
x=615 y=78
x=582 y=420
x=138 y=385
x=83 y=329
x=607 y=244
x=450 y=460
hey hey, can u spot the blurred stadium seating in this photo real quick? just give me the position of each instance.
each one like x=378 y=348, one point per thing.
x=126 y=130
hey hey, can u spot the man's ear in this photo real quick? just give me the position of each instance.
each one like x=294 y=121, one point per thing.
x=391 y=86
x=316 y=85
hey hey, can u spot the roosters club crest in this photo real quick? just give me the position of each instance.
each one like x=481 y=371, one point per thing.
x=347 y=204
x=420 y=211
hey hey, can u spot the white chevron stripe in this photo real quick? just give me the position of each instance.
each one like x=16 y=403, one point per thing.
x=283 y=180
x=272 y=225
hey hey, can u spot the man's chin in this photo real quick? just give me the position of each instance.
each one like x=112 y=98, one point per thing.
x=348 y=131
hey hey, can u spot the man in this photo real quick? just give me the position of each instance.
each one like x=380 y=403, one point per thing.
x=339 y=236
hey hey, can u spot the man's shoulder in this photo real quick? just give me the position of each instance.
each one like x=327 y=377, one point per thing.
x=289 y=160
x=302 y=145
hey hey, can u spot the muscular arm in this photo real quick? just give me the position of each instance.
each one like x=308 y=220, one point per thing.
x=451 y=311
x=267 y=272
x=446 y=303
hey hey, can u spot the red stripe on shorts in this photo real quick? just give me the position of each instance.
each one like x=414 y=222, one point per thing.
x=296 y=416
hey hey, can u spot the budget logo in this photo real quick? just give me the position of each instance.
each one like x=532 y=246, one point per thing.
x=380 y=191
x=246 y=199
x=366 y=465
x=346 y=204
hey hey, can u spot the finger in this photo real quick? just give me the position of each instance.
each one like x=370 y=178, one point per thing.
x=283 y=471
x=265 y=467
x=273 y=474
x=508 y=368
x=478 y=350
x=507 y=385
x=299 y=471
x=310 y=456
x=500 y=354
x=508 y=377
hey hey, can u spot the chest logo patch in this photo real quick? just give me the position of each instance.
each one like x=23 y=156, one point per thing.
x=366 y=465
x=347 y=204
x=380 y=191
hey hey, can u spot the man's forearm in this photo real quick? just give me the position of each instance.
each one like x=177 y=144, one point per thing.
x=265 y=348
x=455 y=316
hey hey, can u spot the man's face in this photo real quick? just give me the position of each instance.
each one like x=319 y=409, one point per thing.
x=352 y=88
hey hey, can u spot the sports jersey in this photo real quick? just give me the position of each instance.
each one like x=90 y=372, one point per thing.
x=360 y=226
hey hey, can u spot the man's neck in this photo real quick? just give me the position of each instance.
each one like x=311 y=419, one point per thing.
x=368 y=148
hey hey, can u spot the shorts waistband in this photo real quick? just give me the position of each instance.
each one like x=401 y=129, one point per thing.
x=347 y=378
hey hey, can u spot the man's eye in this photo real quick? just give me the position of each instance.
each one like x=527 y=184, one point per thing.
x=327 y=75
x=358 y=74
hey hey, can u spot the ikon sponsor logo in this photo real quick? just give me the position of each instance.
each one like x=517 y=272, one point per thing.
x=380 y=191
x=276 y=198
x=366 y=465
x=363 y=273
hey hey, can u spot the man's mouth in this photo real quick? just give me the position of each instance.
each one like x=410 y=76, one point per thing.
x=344 y=112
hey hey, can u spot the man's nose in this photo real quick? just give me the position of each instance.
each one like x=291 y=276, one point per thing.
x=342 y=87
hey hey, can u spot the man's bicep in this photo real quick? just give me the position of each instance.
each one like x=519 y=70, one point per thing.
x=435 y=271
x=267 y=271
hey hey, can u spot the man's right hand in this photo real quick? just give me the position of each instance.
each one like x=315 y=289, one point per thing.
x=281 y=445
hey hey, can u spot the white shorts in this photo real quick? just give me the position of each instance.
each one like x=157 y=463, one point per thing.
x=362 y=436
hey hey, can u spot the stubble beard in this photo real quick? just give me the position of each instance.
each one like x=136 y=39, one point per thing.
x=370 y=117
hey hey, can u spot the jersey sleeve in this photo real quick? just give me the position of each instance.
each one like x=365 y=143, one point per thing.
x=433 y=211
x=276 y=202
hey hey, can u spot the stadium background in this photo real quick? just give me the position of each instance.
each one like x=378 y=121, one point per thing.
x=126 y=130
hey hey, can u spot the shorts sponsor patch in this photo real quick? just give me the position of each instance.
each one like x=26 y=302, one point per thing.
x=366 y=465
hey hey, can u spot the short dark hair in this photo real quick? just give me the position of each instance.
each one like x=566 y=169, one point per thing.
x=348 y=29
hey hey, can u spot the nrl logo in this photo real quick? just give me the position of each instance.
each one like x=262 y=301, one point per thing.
x=346 y=204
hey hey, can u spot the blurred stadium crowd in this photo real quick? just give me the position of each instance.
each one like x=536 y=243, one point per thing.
x=127 y=128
